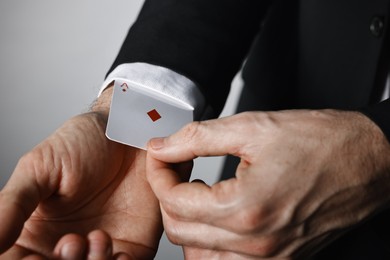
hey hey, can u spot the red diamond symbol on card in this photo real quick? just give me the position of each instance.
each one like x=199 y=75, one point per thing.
x=154 y=115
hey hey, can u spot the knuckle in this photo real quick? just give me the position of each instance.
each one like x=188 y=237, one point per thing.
x=30 y=160
x=250 y=220
x=191 y=130
x=169 y=208
x=249 y=123
x=40 y=165
x=260 y=120
x=247 y=115
x=250 y=117
x=172 y=234
x=263 y=247
x=193 y=135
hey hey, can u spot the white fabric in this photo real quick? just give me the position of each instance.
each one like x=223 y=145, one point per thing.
x=168 y=82
x=163 y=80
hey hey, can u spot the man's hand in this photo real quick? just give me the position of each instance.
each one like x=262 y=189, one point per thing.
x=77 y=181
x=305 y=177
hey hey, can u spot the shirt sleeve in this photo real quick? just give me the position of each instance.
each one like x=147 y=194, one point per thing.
x=164 y=81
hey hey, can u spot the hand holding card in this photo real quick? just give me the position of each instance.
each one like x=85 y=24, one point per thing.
x=139 y=113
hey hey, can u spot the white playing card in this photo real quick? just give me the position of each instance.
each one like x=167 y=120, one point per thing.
x=138 y=114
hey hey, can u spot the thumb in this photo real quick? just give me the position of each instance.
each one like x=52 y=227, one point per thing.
x=208 y=138
x=19 y=198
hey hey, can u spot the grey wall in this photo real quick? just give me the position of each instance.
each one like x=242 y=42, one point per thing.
x=53 y=58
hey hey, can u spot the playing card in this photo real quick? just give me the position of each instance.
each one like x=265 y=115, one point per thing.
x=138 y=114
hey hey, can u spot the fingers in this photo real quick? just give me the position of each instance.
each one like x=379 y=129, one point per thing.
x=195 y=214
x=192 y=202
x=71 y=246
x=96 y=246
x=195 y=200
x=184 y=200
x=215 y=238
x=27 y=186
x=100 y=245
x=207 y=138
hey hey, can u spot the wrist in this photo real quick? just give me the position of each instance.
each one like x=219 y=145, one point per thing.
x=379 y=151
x=103 y=102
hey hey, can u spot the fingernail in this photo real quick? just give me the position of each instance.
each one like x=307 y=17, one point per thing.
x=157 y=143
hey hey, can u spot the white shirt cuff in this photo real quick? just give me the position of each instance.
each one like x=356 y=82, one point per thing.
x=161 y=80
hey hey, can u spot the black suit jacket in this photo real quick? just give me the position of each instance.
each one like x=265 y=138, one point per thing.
x=299 y=54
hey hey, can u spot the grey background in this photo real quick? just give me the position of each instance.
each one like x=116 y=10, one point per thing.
x=53 y=58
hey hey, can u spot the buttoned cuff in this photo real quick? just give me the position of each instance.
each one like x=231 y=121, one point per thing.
x=161 y=80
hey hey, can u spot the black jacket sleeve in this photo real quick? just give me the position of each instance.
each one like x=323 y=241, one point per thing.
x=203 y=40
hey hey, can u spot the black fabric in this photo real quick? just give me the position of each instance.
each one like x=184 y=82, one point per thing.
x=318 y=54
x=338 y=54
x=201 y=39
x=362 y=243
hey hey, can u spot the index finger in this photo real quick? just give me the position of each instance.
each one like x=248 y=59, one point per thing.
x=207 y=138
